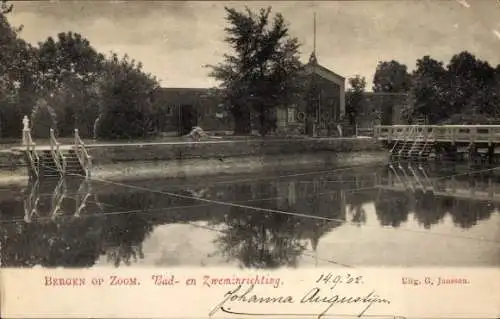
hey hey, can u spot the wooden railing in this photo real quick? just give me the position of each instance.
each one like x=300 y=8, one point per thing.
x=31 y=153
x=402 y=136
x=446 y=133
x=58 y=197
x=31 y=202
x=55 y=149
x=82 y=154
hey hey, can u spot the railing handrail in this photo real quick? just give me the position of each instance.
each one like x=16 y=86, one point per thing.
x=453 y=133
x=82 y=154
x=58 y=197
x=30 y=151
x=56 y=152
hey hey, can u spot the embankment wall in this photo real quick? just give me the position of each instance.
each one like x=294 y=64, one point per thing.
x=103 y=154
x=181 y=160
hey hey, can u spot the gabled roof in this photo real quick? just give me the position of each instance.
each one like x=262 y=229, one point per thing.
x=320 y=70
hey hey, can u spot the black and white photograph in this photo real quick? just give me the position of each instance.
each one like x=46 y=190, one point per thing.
x=249 y=135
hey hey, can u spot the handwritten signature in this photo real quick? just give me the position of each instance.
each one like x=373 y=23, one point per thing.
x=314 y=296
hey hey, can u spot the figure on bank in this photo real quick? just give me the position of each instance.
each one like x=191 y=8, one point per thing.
x=197 y=133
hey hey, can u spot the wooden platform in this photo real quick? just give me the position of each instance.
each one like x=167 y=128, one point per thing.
x=485 y=134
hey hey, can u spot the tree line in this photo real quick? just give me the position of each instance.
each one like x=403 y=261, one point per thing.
x=64 y=83
x=465 y=91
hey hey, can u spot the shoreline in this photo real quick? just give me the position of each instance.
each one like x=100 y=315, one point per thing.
x=190 y=168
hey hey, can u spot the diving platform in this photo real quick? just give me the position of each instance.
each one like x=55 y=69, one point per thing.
x=487 y=134
x=425 y=141
x=56 y=160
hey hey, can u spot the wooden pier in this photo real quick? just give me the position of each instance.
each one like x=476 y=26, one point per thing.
x=472 y=142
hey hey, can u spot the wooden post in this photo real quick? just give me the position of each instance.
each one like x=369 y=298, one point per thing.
x=491 y=153
x=76 y=137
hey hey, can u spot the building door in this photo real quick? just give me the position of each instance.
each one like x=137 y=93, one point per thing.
x=387 y=115
x=187 y=119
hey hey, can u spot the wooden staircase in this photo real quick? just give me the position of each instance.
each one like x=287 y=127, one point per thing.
x=416 y=145
x=405 y=149
x=57 y=161
x=47 y=165
x=73 y=165
x=421 y=149
x=402 y=145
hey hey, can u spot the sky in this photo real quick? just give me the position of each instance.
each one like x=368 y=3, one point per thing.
x=175 y=40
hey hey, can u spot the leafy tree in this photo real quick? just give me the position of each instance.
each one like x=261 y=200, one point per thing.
x=261 y=72
x=69 y=55
x=473 y=86
x=392 y=77
x=466 y=91
x=127 y=101
x=68 y=70
x=15 y=75
x=355 y=97
x=428 y=92
x=5 y=7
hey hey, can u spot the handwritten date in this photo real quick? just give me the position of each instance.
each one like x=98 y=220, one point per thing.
x=336 y=279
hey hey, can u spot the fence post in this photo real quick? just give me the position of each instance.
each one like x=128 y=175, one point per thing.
x=76 y=137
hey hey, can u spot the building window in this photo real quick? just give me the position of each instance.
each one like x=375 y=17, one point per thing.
x=281 y=116
x=292 y=114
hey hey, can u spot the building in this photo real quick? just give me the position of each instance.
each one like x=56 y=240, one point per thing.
x=316 y=112
x=322 y=105
x=381 y=108
x=188 y=107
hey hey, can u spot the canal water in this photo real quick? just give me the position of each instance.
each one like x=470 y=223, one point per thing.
x=380 y=215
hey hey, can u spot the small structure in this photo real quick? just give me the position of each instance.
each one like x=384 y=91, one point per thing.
x=26 y=130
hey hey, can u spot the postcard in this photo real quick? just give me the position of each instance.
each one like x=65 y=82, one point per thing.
x=250 y=159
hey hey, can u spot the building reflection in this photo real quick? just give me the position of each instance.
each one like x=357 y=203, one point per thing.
x=75 y=222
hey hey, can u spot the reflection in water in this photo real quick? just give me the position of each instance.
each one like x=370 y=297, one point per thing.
x=31 y=201
x=76 y=222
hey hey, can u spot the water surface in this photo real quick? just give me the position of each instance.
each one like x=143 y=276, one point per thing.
x=404 y=215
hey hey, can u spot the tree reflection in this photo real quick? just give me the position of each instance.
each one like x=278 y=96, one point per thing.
x=273 y=240
x=356 y=202
x=259 y=239
x=114 y=227
x=126 y=226
x=51 y=244
x=431 y=199
x=430 y=210
x=393 y=209
x=466 y=214
x=46 y=238
x=84 y=231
